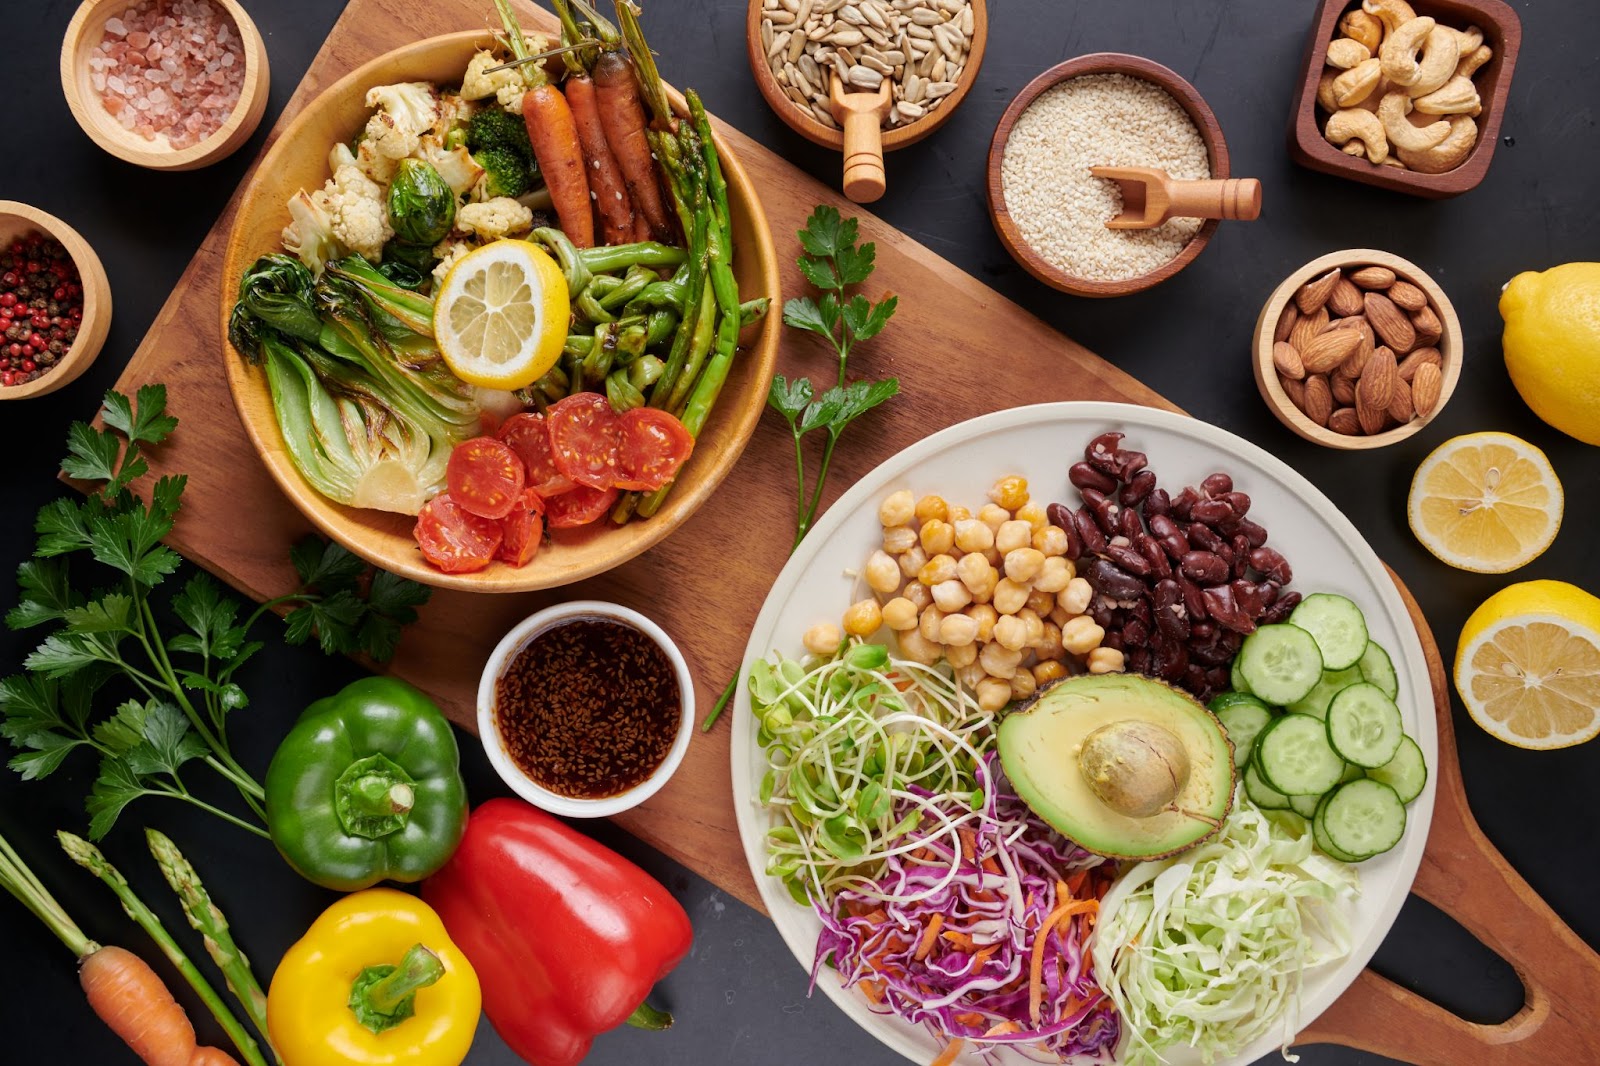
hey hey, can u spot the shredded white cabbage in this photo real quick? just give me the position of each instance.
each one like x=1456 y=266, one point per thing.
x=1208 y=948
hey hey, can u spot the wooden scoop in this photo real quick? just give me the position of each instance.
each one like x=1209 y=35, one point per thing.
x=861 y=115
x=1150 y=197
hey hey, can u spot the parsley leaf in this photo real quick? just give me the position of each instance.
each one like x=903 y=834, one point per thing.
x=145 y=422
x=92 y=454
x=43 y=596
x=63 y=527
x=827 y=231
x=789 y=398
x=861 y=397
x=115 y=788
x=803 y=313
x=819 y=272
x=855 y=264
x=167 y=742
x=325 y=564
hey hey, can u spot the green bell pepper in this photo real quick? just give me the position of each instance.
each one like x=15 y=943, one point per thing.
x=367 y=787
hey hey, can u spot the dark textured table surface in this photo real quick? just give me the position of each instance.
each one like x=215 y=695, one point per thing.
x=740 y=997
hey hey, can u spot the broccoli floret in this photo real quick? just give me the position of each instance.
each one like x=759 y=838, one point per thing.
x=504 y=173
x=491 y=127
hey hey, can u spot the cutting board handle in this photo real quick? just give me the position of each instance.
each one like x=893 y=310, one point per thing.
x=1465 y=876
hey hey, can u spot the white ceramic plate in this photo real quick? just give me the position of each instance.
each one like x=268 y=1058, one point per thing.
x=961 y=463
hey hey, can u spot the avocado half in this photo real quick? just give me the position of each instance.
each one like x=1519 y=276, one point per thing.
x=1122 y=765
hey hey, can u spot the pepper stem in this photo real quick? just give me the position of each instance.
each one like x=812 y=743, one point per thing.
x=645 y=1016
x=374 y=797
x=378 y=796
x=384 y=996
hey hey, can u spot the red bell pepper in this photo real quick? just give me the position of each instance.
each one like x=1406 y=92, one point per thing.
x=567 y=936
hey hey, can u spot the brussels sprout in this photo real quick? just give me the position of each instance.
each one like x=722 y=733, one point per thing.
x=422 y=207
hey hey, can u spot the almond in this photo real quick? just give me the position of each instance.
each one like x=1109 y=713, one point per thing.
x=1295 y=390
x=1408 y=296
x=1409 y=367
x=1344 y=420
x=1319 y=399
x=1343 y=388
x=1373 y=277
x=1390 y=323
x=1286 y=321
x=1427 y=325
x=1372 y=422
x=1308 y=327
x=1288 y=361
x=1345 y=299
x=1314 y=294
x=1400 y=407
x=1356 y=362
x=1426 y=388
x=1328 y=349
x=1375 y=390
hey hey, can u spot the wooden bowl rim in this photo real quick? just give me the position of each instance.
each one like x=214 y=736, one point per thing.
x=1103 y=63
x=96 y=322
x=1494 y=15
x=227 y=138
x=332 y=518
x=815 y=132
x=1449 y=345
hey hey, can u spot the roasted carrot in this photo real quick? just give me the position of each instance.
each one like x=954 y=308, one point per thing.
x=622 y=116
x=554 y=135
x=131 y=999
x=606 y=183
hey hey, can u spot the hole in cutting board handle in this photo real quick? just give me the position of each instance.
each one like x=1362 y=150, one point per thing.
x=1431 y=954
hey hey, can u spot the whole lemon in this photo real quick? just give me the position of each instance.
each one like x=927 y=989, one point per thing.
x=1552 y=345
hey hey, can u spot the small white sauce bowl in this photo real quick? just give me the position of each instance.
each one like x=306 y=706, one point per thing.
x=506 y=652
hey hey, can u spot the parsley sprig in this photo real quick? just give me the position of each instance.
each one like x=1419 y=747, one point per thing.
x=180 y=689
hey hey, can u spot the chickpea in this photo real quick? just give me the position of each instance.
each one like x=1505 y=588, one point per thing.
x=823 y=638
x=1012 y=535
x=993 y=555
x=1011 y=633
x=1048 y=646
x=918 y=593
x=918 y=649
x=1053 y=575
x=993 y=694
x=1106 y=661
x=1022 y=564
x=999 y=661
x=1047 y=672
x=957 y=630
x=973 y=536
x=993 y=516
x=899 y=539
x=937 y=569
x=863 y=618
x=985 y=593
x=971 y=675
x=938 y=537
x=1081 y=635
x=950 y=596
x=1074 y=599
x=1051 y=540
x=1040 y=602
x=882 y=573
x=928 y=623
x=986 y=616
x=1010 y=492
x=1035 y=625
x=913 y=561
x=1023 y=685
x=957 y=513
x=897 y=509
x=1033 y=514
x=900 y=614
x=931 y=508
x=959 y=655
x=974 y=571
x=1010 y=597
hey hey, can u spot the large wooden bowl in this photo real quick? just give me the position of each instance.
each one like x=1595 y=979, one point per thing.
x=299 y=160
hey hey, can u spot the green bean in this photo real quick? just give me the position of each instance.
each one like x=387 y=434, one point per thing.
x=660 y=326
x=644 y=371
x=753 y=311
x=630 y=342
x=611 y=259
x=578 y=344
x=603 y=285
x=587 y=307
x=578 y=274
x=635 y=282
x=660 y=295
x=597 y=364
x=697 y=412
x=574 y=371
x=622 y=393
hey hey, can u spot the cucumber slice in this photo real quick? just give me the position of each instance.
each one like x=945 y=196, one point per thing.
x=1319 y=834
x=1304 y=806
x=1352 y=772
x=1406 y=773
x=1236 y=678
x=1337 y=624
x=1262 y=794
x=1315 y=703
x=1376 y=666
x=1364 y=818
x=1280 y=663
x=1244 y=722
x=1231 y=699
x=1295 y=757
x=1364 y=725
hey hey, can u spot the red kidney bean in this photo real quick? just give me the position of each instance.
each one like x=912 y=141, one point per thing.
x=1211 y=511
x=1193 y=602
x=1209 y=653
x=1183 y=503
x=1204 y=567
x=1105 y=445
x=1171 y=617
x=1281 y=608
x=1128 y=523
x=1253 y=531
x=1141 y=610
x=1113 y=639
x=1226 y=610
x=1216 y=484
x=1150 y=548
x=1083 y=476
x=1239 y=501
x=1103 y=459
x=1176 y=546
x=1194 y=679
x=1060 y=516
x=1130 y=463
x=1088 y=530
x=1135 y=633
x=1171 y=661
x=1161 y=525
x=1158 y=503
x=1130 y=559
x=1102 y=612
x=1110 y=580
x=1271 y=564
x=1241 y=555
x=1252 y=598
x=1203 y=537
x=1138 y=660
x=1138 y=489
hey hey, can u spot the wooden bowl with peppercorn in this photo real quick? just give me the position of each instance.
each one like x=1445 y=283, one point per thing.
x=1358 y=349
x=45 y=259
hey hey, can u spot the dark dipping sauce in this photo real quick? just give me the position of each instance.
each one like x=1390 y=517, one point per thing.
x=589 y=707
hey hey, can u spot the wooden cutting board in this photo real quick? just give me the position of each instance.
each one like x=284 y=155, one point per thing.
x=707 y=582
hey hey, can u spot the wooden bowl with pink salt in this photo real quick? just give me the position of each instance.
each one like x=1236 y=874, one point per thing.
x=165 y=84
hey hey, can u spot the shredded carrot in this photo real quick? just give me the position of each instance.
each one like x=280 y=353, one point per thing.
x=962 y=941
x=949 y=1054
x=1036 y=963
x=874 y=988
x=1003 y=1028
x=928 y=937
x=969 y=843
x=981 y=957
x=990 y=866
x=970 y=1017
x=1075 y=882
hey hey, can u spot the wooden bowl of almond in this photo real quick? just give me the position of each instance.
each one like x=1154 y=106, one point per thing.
x=1357 y=349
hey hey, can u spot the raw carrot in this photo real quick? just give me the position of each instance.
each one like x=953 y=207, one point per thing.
x=622 y=116
x=615 y=206
x=949 y=1054
x=554 y=136
x=132 y=1000
x=928 y=937
x=1063 y=912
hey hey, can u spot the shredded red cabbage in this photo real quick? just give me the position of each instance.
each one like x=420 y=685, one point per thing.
x=871 y=935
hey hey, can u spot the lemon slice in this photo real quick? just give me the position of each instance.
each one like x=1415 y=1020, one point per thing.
x=1528 y=665
x=1486 y=502
x=501 y=316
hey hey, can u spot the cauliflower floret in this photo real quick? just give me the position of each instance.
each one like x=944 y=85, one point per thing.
x=453 y=111
x=450 y=253
x=455 y=165
x=500 y=217
x=405 y=111
x=506 y=86
x=355 y=204
x=309 y=234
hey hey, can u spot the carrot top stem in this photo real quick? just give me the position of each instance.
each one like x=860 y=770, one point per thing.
x=644 y=64
x=31 y=893
x=532 y=73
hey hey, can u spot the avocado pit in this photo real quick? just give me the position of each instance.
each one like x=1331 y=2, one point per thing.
x=1136 y=768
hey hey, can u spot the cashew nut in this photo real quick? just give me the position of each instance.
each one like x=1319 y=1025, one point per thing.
x=1325 y=97
x=1357 y=83
x=1438 y=63
x=1458 y=97
x=1468 y=40
x=1400 y=48
x=1354 y=124
x=1392 y=13
x=1345 y=53
x=1473 y=60
x=1360 y=26
x=1448 y=153
x=1392 y=114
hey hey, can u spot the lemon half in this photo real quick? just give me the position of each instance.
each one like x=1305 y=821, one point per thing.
x=1487 y=502
x=501 y=316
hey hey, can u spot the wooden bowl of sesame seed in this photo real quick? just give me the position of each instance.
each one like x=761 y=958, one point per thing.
x=1132 y=114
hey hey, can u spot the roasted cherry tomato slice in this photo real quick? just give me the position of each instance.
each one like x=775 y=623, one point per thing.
x=579 y=507
x=454 y=540
x=654 y=446
x=528 y=434
x=485 y=477
x=586 y=439
x=523 y=530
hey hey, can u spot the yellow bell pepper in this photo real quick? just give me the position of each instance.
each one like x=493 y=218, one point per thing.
x=375 y=981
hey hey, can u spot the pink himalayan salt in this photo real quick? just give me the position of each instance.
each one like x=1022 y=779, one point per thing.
x=170 y=68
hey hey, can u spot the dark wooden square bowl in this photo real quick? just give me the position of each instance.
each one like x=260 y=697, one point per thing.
x=1502 y=31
